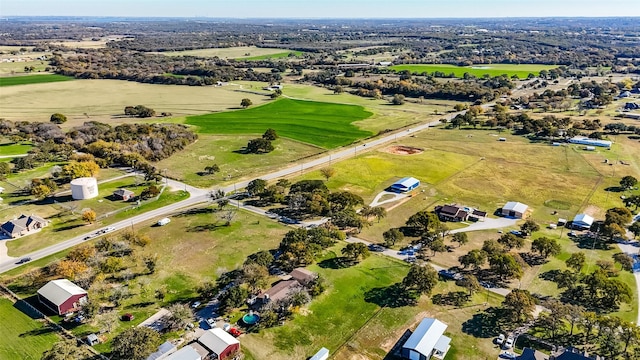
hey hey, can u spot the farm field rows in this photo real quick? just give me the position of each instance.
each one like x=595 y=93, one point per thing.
x=479 y=70
x=322 y=124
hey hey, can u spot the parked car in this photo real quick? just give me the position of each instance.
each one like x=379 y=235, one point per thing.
x=127 y=317
x=508 y=355
x=109 y=229
x=163 y=221
x=211 y=322
x=24 y=260
x=376 y=248
x=447 y=274
x=500 y=339
x=509 y=343
x=235 y=332
x=196 y=304
x=410 y=259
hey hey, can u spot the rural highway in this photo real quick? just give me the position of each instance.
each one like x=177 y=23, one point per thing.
x=202 y=195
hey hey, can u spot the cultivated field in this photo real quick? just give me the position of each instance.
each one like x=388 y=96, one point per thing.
x=520 y=70
x=22 y=337
x=31 y=79
x=224 y=150
x=323 y=124
x=227 y=53
x=104 y=100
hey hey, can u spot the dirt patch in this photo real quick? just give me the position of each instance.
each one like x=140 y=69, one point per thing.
x=593 y=211
x=396 y=204
x=403 y=150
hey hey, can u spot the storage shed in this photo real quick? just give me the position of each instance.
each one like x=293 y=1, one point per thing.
x=322 y=354
x=186 y=353
x=514 y=209
x=582 y=221
x=405 y=184
x=84 y=188
x=220 y=342
x=427 y=341
x=62 y=296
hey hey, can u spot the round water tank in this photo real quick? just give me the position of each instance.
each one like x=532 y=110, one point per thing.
x=84 y=188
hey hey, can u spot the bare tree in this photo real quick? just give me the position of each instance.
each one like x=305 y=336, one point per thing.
x=227 y=215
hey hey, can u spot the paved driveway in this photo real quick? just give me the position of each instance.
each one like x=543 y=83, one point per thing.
x=487 y=224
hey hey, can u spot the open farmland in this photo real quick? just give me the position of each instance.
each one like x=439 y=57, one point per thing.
x=479 y=70
x=104 y=100
x=31 y=79
x=322 y=124
x=280 y=55
x=227 y=53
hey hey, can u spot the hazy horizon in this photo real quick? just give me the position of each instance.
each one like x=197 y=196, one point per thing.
x=324 y=9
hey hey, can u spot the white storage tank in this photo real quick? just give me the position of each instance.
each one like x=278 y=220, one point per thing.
x=84 y=188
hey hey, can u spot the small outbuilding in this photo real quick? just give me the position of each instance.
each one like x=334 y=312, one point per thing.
x=590 y=142
x=84 y=188
x=427 y=341
x=92 y=339
x=514 y=209
x=62 y=296
x=405 y=184
x=322 y=354
x=220 y=343
x=165 y=349
x=186 y=353
x=582 y=221
x=124 y=194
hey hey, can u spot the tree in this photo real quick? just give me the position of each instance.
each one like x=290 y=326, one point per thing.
x=461 y=238
x=392 y=236
x=58 y=118
x=150 y=263
x=635 y=228
x=179 y=316
x=436 y=245
x=40 y=191
x=77 y=169
x=347 y=218
x=233 y=298
x=259 y=145
x=227 y=215
x=263 y=258
x=255 y=276
x=470 y=283
x=628 y=182
x=520 y=303
x=246 y=102
x=505 y=265
x=89 y=216
x=423 y=221
x=474 y=258
x=511 y=241
x=327 y=172
x=492 y=247
x=355 y=251
x=5 y=169
x=529 y=227
x=615 y=221
x=150 y=192
x=270 y=135
x=135 y=343
x=65 y=350
x=624 y=260
x=632 y=200
x=256 y=187
x=576 y=261
x=545 y=246
x=420 y=279
x=211 y=169
x=398 y=99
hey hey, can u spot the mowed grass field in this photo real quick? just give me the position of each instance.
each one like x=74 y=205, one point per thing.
x=479 y=70
x=223 y=150
x=280 y=55
x=10 y=148
x=22 y=337
x=32 y=79
x=104 y=100
x=323 y=124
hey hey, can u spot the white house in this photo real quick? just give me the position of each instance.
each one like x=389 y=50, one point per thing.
x=514 y=209
x=582 y=221
x=427 y=341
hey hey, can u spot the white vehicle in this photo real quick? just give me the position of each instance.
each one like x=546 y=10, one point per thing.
x=211 y=322
x=509 y=343
x=164 y=221
x=500 y=339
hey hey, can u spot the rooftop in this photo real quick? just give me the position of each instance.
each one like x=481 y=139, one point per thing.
x=59 y=291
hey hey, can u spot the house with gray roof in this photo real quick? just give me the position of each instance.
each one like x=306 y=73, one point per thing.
x=24 y=225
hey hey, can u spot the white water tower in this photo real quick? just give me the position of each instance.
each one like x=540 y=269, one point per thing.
x=84 y=188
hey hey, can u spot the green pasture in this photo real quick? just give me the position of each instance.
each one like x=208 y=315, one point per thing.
x=11 y=148
x=322 y=124
x=21 y=336
x=522 y=71
x=32 y=79
x=281 y=55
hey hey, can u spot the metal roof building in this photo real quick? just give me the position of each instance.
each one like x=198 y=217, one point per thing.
x=427 y=341
x=61 y=296
x=405 y=184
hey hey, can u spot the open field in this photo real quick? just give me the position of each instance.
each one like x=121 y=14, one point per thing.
x=479 y=70
x=17 y=68
x=104 y=100
x=11 y=148
x=32 y=79
x=280 y=55
x=228 y=53
x=22 y=337
x=323 y=124
x=223 y=150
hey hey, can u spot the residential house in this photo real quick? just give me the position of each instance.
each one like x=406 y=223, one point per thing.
x=531 y=354
x=279 y=291
x=573 y=354
x=591 y=142
x=514 y=209
x=62 y=296
x=427 y=341
x=124 y=194
x=303 y=276
x=220 y=343
x=24 y=225
x=456 y=213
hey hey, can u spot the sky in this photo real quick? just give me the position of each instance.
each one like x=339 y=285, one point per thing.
x=322 y=8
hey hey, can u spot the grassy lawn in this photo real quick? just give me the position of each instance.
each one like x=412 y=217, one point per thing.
x=280 y=55
x=32 y=79
x=237 y=52
x=479 y=70
x=323 y=124
x=22 y=337
x=11 y=148
x=223 y=150
x=104 y=100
